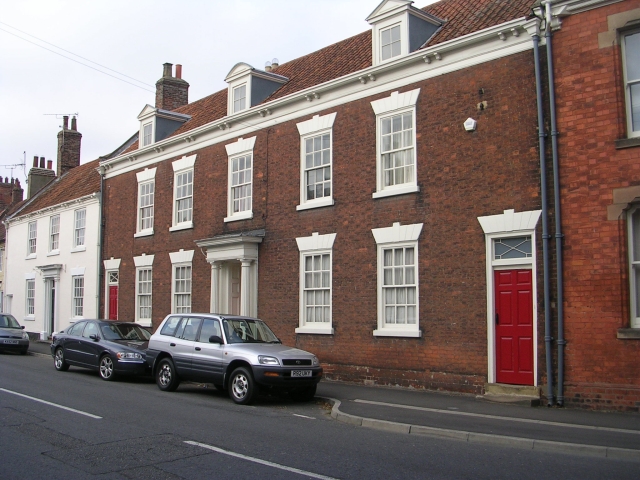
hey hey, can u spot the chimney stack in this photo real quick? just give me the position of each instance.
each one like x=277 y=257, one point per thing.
x=171 y=92
x=68 y=147
x=41 y=162
x=17 y=193
x=49 y=164
x=35 y=161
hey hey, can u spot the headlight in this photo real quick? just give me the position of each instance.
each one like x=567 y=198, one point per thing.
x=315 y=361
x=265 y=360
x=25 y=336
x=128 y=356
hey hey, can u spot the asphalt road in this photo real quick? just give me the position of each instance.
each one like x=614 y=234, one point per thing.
x=129 y=429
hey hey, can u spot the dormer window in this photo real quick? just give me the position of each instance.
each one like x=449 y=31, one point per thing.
x=249 y=87
x=400 y=29
x=157 y=124
x=390 y=42
x=147 y=134
x=239 y=98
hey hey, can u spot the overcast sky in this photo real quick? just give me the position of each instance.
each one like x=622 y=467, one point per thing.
x=134 y=38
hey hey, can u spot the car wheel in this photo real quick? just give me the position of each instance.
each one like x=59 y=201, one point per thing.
x=59 y=362
x=24 y=351
x=303 y=394
x=242 y=388
x=166 y=376
x=107 y=368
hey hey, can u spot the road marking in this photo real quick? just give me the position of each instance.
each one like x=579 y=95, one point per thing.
x=496 y=417
x=52 y=404
x=258 y=460
x=302 y=416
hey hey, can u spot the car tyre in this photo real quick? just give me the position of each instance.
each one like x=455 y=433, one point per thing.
x=59 y=362
x=242 y=387
x=24 y=351
x=166 y=376
x=106 y=368
x=304 y=394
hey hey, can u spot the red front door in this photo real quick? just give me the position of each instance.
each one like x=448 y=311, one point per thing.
x=514 y=327
x=113 y=302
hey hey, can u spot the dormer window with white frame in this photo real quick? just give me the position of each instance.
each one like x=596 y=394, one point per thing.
x=147 y=134
x=183 y=171
x=396 y=163
x=316 y=164
x=249 y=87
x=399 y=29
x=240 y=98
x=157 y=124
x=240 y=183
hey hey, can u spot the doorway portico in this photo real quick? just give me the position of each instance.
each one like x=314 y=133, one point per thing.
x=234 y=271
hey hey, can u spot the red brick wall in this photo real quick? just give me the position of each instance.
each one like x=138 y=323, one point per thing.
x=591 y=116
x=461 y=176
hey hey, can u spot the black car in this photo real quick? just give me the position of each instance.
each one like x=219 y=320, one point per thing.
x=110 y=347
x=12 y=335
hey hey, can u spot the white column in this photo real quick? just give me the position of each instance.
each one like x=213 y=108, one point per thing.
x=56 y=305
x=215 y=287
x=245 y=287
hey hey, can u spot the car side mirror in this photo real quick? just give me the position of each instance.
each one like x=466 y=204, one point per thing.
x=94 y=337
x=215 y=339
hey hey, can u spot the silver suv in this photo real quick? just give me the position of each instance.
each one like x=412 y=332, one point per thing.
x=238 y=354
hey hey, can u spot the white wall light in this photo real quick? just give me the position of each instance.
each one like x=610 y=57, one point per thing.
x=470 y=124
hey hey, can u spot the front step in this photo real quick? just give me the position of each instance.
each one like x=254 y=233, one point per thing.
x=520 y=394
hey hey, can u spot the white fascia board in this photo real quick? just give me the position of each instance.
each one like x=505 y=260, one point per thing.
x=457 y=54
x=387 y=8
x=147 y=112
x=579 y=6
x=239 y=70
x=85 y=201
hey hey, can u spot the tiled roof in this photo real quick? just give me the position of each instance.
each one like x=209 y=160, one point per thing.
x=76 y=183
x=461 y=17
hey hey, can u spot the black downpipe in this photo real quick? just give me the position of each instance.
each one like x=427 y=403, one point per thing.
x=556 y=197
x=545 y=222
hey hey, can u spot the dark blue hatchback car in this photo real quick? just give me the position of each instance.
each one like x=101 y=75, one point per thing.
x=111 y=348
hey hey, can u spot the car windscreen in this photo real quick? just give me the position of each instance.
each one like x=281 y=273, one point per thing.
x=244 y=330
x=125 y=332
x=7 y=321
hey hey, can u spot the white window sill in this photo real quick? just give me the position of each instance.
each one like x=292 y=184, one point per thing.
x=143 y=233
x=240 y=216
x=315 y=330
x=325 y=202
x=53 y=253
x=80 y=248
x=30 y=257
x=391 y=191
x=393 y=332
x=144 y=323
x=181 y=226
x=30 y=318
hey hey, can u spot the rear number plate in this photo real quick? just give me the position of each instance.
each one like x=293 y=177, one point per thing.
x=300 y=373
x=11 y=342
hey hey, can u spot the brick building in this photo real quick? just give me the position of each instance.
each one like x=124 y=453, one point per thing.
x=379 y=202
x=597 y=60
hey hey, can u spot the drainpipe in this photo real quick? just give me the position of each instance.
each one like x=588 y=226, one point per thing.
x=100 y=243
x=545 y=220
x=556 y=195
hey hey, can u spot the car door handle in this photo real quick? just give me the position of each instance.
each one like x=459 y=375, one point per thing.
x=198 y=349
x=172 y=344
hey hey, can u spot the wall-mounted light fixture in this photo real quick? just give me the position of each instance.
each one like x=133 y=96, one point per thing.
x=470 y=124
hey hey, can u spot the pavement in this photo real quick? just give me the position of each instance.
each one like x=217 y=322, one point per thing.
x=474 y=419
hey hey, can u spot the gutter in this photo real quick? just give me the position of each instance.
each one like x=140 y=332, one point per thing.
x=556 y=194
x=545 y=220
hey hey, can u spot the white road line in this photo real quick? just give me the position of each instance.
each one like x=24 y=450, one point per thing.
x=302 y=416
x=260 y=461
x=496 y=417
x=52 y=404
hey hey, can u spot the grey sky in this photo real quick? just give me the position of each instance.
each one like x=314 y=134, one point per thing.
x=208 y=37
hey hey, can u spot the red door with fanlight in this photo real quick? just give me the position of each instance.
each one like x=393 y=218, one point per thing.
x=113 y=302
x=514 y=326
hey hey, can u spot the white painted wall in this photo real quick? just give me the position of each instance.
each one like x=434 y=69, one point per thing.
x=18 y=266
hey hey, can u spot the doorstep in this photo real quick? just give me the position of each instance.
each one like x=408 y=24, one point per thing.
x=519 y=394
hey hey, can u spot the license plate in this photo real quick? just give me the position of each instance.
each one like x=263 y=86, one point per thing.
x=300 y=373
x=10 y=342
